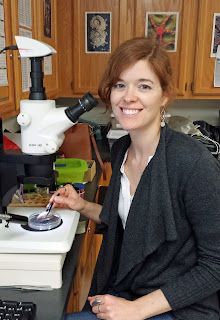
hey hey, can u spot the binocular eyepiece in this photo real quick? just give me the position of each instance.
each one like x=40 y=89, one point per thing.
x=85 y=104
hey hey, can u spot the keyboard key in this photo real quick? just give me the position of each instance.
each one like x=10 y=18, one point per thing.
x=9 y=303
x=14 y=310
x=26 y=316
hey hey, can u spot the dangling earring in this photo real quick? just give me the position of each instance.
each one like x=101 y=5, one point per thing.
x=162 y=117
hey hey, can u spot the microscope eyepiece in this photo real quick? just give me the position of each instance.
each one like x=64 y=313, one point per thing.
x=88 y=101
x=85 y=104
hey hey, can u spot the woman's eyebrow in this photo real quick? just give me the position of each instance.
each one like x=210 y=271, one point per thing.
x=145 y=80
x=139 y=80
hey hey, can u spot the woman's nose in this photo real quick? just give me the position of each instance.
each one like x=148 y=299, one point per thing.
x=130 y=95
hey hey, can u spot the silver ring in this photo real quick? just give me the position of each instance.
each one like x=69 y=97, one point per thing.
x=96 y=302
x=99 y=309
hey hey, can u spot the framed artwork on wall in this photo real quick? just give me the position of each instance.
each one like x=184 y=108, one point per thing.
x=98 y=32
x=215 y=34
x=47 y=18
x=164 y=27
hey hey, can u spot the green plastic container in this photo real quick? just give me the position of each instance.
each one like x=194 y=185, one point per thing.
x=70 y=170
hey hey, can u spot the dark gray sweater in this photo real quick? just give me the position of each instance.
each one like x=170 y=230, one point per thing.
x=172 y=235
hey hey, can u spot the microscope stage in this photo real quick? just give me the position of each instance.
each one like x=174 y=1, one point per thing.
x=16 y=239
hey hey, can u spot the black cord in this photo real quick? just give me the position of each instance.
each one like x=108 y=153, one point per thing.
x=9 y=48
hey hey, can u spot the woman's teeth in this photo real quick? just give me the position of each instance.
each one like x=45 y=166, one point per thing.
x=130 y=111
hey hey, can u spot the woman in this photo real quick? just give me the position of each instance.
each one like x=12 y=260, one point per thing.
x=160 y=255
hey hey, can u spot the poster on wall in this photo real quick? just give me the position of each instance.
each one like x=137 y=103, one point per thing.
x=215 y=34
x=25 y=64
x=3 y=65
x=48 y=66
x=164 y=27
x=98 y=32
x=47 y=18
x=24 y=13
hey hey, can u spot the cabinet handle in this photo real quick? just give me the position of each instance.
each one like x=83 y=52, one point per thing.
x=19 y=57
x=11 y=56
x=186 y=86
x=89 y=229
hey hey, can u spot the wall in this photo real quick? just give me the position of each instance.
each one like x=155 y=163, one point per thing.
x=207 y=110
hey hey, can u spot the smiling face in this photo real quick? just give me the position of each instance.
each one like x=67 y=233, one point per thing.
x=137 y=97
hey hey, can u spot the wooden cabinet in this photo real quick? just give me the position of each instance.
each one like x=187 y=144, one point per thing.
x=85 y=268
x=193 y=68
x=128 y=20
x=49 y=36
x=88 y=66
x=204 y=63
x=34 y=27
x=179 y=59
x=192 y=65
x=65 y=49
x=23 y=28
x=75 y=70
x=7 y=97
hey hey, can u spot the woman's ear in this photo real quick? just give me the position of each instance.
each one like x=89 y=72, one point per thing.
x=165 y=99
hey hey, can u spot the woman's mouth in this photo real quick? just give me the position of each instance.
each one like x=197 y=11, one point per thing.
x=130 y=111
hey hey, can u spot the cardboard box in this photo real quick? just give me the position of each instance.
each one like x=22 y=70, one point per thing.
x=90 y=173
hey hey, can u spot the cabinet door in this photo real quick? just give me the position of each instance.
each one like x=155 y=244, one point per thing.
x=85 y=268
x=65 y=51
x=205 y=64
x=179 y=59
x=88 y=273
x=29 y=22
x=46 y=31
x=89 y=66
x=22 y=17
x=7 y=104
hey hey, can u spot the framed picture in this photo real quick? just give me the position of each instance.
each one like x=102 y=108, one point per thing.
x=215 y=34
x=47 y=18
x=98 y=32
x=164 y=27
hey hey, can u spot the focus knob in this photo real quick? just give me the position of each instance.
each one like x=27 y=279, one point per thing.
x=24 y=119
x=50 y=147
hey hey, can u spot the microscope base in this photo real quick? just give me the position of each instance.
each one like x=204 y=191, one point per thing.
x=37 y=270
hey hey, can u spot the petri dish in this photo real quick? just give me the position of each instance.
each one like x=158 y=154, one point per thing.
x=48 y=223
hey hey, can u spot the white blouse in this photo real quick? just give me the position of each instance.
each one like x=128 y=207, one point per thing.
x=125 y=197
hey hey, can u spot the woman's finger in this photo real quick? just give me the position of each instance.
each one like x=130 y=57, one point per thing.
x=94 y=298
x=61 y=191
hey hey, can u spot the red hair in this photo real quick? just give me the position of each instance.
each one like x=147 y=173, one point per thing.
x=129 y=53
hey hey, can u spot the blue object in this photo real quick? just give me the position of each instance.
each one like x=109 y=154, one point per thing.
x=79 y=185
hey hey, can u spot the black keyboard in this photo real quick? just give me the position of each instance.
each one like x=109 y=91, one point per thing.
x=14 y=310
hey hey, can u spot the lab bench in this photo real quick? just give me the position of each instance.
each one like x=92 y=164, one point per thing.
x=53 y=304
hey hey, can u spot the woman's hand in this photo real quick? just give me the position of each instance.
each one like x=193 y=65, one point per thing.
x=114 y=308
x=68 y=198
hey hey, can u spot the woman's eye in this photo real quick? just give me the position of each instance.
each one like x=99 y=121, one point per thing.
x=144 y=86
x=119 y=85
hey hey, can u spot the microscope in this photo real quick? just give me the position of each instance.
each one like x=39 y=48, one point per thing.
x=42 y=132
